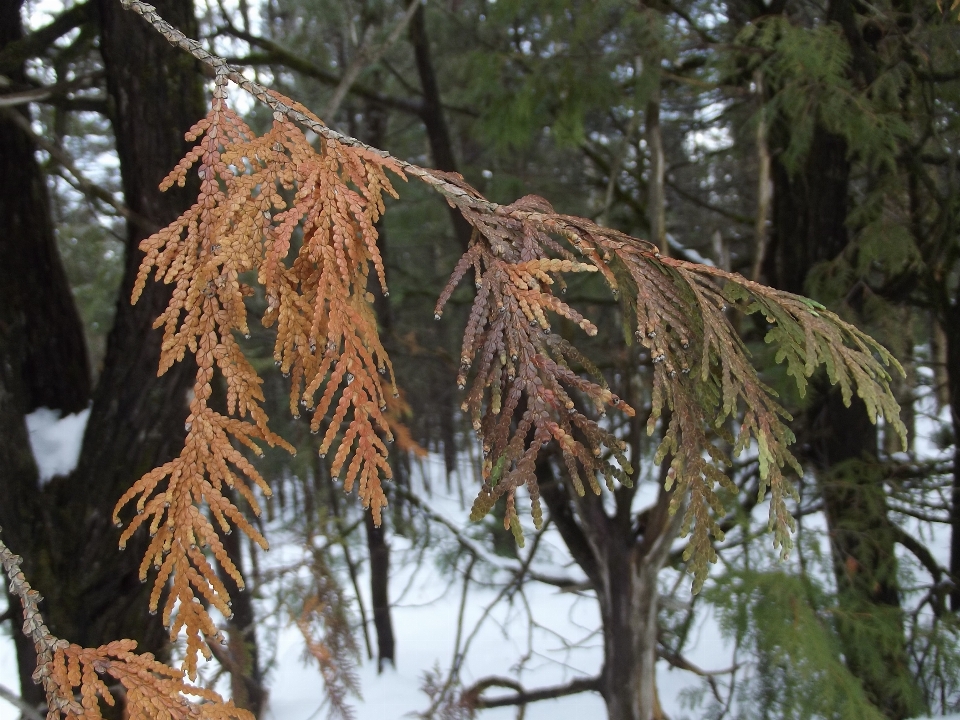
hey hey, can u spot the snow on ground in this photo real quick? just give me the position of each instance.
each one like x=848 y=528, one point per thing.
x=425 y=625
x=56 y=441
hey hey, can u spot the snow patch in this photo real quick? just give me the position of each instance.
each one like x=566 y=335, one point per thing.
x=56 y=441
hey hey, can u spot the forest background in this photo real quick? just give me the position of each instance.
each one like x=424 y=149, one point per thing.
x=811 y=146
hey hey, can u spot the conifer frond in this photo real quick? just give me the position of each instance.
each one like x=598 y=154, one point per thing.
x=324 y=624
x=254 y=193
x=520 y=399
x=682 y=319
x=73 y=677
x=809 y=67
x=152 y=690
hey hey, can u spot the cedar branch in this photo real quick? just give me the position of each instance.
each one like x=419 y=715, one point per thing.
x=522 y=387
x=153 y=690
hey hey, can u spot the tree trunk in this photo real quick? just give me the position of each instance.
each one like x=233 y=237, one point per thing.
x=17 y=465
x=628 y=607
x=623 y=569
x=93 y=592
x=38 y=305
x=656 y=197
x=43 y=357
x=379 y=592
x=441 y=150
x=951 y=329
x=863 y=546
x=374 y=133
x=809 y=227
x=247 y=689
x=438 y=135
x=136 y=422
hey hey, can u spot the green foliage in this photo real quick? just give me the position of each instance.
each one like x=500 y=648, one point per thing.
x=783 y=622
x=554 y=65
x=717 y=383
x=935 y=647
x=809 y=71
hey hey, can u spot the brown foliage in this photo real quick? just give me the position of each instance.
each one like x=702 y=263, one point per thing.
x=254 y=193
x=678 y=311
x=324 y=624
x=152 y=690
x=523 y=377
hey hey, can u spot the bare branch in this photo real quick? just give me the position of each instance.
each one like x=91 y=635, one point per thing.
x=704 y=36
x=78 y=181
x=764 y=187
x=277 y=54
x=473 y=695
x=921 y=552
x=564 y=583
x=681 y=663
x=14 y=54
x=451 y=190
x=47 y=92
x=656 y=198
x=736 y=217
x=366 y=56
x=33 y=626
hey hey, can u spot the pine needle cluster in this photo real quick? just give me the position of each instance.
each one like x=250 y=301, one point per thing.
x=255 y=192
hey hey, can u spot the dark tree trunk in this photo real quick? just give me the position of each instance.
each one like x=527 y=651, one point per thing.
x=136 y=421
x=247 y=689
x=379 y=591
x=951 y=329
x=863 y=541
x=38 y=305
x=93 y=593
x=809 y=226
x=375 y=130
x=16 y=509
x=43 y=357
x=438 y=135
x=441 y=150
x=809 y=212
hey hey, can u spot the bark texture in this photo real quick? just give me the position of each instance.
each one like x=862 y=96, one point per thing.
x=623 y=566
x=242 y=657
x=93 y=593
x=379 y=592
x=809 y=226
x=137 y=419
x=374 y=133
x=441 y=150
x=43 y=357
x=951 y=330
